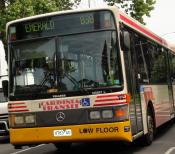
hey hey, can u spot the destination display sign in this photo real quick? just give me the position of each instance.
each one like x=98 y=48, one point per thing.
x=39 y=26
x=61 y=25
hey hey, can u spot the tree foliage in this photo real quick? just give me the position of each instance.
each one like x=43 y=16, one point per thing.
x=15 y=9
x=135 y=8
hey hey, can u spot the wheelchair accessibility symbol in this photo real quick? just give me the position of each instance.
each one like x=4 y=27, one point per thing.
x=85 y=102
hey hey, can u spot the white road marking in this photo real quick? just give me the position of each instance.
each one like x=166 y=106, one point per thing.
x=27 y=149
x=169 y=150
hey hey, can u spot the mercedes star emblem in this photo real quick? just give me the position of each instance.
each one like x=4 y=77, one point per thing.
x=60 y=116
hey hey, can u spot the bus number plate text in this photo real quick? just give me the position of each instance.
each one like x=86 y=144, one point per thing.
x=61 y=132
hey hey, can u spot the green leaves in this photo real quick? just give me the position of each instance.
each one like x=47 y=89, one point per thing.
x=135 y=8
x=15 y=9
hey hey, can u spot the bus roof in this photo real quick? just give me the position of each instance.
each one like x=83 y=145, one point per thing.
x=58 y=13
x=124 y=18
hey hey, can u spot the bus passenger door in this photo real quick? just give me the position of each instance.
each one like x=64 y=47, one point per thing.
x=134 y=87
x=171 y=84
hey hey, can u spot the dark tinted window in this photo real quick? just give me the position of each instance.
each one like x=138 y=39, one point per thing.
x=81 y=61
x=172 y=66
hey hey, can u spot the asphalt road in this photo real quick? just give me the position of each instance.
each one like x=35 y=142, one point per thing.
x=164 y=143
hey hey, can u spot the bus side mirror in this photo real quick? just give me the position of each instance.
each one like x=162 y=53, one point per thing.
x=5 y=87
x=125 y=40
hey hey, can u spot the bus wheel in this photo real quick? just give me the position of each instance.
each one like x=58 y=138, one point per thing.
x=148 y=138
x=63 y=147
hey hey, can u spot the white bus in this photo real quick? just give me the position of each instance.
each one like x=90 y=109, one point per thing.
x=4 y=126
x=87 y=75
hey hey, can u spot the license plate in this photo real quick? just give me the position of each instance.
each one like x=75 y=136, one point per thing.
x=62 y=132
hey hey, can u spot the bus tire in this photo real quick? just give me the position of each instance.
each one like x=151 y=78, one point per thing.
x=63 y=146
x=149 y=137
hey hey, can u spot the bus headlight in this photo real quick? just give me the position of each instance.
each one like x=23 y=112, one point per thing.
x=107 y=114
x=19 y=120
x=29 y=119
x=22 y=120
x=95 y=115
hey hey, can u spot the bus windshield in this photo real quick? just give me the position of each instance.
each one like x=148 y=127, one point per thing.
x=65 y=63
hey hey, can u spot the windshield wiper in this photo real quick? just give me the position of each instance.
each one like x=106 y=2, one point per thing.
x=78 y=84
x=73 y=80
x=48 y=78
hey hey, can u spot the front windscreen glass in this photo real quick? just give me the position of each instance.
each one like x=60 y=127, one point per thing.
x=67 y=63
x=32 y=64
x=88 y=61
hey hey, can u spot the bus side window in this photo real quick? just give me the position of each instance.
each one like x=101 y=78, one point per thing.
x=149 y=58
x=140 y=49
x=172 y=67
x=158 y=69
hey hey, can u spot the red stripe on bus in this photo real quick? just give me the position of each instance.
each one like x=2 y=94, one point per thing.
x=112 y=95
x=135 y=25
x=105 y=100
x=103 y=96
x=14 y=107
x=18 y=110
x=106 y=104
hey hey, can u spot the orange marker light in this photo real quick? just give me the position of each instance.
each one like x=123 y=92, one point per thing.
x=128 y=98
x=120 y=113
x=52 y=90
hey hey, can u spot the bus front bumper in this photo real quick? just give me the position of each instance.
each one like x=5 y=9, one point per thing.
x=119 y=131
